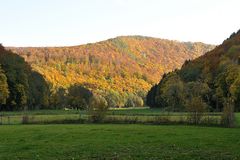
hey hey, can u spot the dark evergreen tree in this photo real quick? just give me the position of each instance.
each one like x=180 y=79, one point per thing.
x=151 y=102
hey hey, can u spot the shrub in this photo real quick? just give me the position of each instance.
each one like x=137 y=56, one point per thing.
x=113 y=99
x=196 y=107
x=97 y=108
x=134 y=101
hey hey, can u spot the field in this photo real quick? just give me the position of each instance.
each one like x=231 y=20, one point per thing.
x=132 y=115
x=88 y=141
x=114 y=141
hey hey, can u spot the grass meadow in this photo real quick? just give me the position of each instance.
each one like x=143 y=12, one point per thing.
x=131 y=115
x=117 y=141
x=114 y=141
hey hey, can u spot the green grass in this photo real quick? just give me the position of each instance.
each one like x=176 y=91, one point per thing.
x=118 y=111
x=30 y=142
x=109 y=141
x=135 y=111
x=142 y=114
x=113 y=111
x=237 y=116
x=17 y=119
x=116 y=118
x=43 y=112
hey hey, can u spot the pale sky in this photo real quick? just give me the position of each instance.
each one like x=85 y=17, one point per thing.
x=74 y=22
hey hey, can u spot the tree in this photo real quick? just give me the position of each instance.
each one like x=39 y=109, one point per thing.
x=207 y=81
x=197 y=89
x=113 y=99
x=4 y=92
x=97 y=108
x=190 y=71
x=27 y=89
x=17 y=72
x=151 y=95
x=172 y=92
x=39 y=92
x=21 y=97
x=122 y=64
x=196 y=107
x=58 y=98
x=78 y=97
x=235 y=93
x=134 y=101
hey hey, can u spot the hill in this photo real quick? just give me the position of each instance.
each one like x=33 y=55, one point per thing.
x=123 y=66
x=212 y=80
x=20 y=86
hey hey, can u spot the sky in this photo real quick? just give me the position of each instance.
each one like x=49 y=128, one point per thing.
x=74 y=22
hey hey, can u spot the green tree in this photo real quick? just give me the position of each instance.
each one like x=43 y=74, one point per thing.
x=197 y=89
x=21 y=97
x=113 y=99
x=134 y=101
x=235 y=93
x=190 y=71
x=196 y=107
x=173 y=93
x=17 y=72
x=26 y=88
x=97 y=108
x=39 y=92
x=4 y=93
x=78 y=97
x=58 y=98
x=151 y=96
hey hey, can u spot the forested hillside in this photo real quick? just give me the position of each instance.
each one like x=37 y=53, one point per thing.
x=20 y=87
x=209 y=82
x=120 y=69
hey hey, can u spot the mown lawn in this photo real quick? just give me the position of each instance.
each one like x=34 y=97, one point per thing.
x=90 y=141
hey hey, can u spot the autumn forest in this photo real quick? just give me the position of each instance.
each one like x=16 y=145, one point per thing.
x=119 y=80
x=121 y=70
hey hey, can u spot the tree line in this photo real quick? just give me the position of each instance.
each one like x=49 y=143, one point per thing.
x=208 y=83
x=22 y=88
x=123 y=68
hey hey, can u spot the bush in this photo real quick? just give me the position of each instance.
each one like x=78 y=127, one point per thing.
x=196 y=107
x=97 y=108
x=134 y=101
x=78 y=97
x=113 y=99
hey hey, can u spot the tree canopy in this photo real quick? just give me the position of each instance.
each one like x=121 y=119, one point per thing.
x=20 y=87
x=209 y=80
